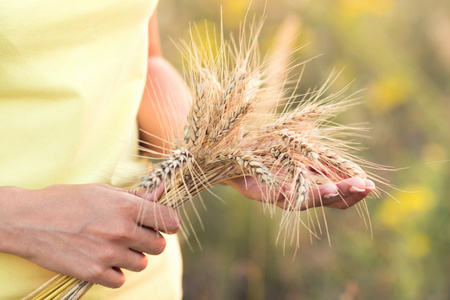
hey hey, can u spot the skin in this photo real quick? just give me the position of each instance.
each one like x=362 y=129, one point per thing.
x=87 y=231
x=342 y=195
x=166 y=98
x=92 y=231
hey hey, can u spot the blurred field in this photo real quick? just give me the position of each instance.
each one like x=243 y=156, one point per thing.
x=399 y=53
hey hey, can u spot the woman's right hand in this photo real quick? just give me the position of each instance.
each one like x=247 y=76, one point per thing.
x=87 y=231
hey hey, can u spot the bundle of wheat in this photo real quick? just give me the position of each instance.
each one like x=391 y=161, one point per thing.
x=235 y=128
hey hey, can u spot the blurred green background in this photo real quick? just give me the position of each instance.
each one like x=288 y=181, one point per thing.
x=399 y=53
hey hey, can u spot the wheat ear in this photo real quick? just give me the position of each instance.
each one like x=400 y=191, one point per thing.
x=228 y=134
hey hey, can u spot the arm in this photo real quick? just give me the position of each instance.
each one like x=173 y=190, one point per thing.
x=165 y=102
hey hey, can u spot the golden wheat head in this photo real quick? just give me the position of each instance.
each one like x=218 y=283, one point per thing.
x=242 y=122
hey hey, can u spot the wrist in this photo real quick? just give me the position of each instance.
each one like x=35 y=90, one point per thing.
x=10 y=199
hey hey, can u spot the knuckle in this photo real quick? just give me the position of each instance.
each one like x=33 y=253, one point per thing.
x=107 y=255
x=121 y=230
x=126 y=207
x=95 y=273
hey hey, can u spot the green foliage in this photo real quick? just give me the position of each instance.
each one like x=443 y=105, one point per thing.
x=399 y=52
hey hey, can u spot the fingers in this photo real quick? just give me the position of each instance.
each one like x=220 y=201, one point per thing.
x=342 y=195
x=148 y=219
x=135 y=231
x=158 y=217
x=126 y=253
x=154 y=215
x=150 y=196
x=111 y=277
x=107 y=270
x=147 y=240
x=353 y=190
x=129 y=259
x=133 y=260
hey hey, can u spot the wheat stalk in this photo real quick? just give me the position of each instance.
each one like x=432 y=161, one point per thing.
x=228 y=134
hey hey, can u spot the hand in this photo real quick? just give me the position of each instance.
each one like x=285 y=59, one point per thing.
x=86 y=231
x=342 y=195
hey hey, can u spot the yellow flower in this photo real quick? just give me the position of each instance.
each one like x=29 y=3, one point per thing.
x=359 y=8
x=418 y=245
x=411 y=205
x=234 y=11
x=388 y=92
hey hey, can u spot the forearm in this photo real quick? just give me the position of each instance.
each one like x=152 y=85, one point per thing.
x=164 y=106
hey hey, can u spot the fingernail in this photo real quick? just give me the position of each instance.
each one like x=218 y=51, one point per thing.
x=330 y=195
x=369 y=184
x=354 y=189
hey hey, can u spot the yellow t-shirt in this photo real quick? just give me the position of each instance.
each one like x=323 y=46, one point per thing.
x=72 y=74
